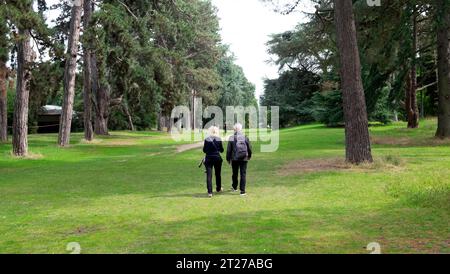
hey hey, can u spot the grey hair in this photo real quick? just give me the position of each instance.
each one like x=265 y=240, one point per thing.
x=238 y=127
x=214 y=131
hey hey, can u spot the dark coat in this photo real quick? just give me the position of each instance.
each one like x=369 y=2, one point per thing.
x=212 y=148
x=231 y=149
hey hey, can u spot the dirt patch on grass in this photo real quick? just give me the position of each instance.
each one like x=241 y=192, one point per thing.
x=338 y=164
x=187 y=147
x=110 y=142
x=153 y=154
x=430 y=246
x=313 y=165
x=114 y=140
x=29 y=156
x=34 y=156
x=402 y=141
x=92 y=142
x=130 y=142
x=83 y=230
x=408 y=141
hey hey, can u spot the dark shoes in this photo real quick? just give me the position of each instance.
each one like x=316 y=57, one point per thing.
x=210 y=195
x=235 y=190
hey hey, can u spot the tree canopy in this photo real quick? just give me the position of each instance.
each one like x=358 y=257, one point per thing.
x=149 y=56
x=388 y=51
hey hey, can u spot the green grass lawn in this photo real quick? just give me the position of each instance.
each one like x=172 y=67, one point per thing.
x=133 y=193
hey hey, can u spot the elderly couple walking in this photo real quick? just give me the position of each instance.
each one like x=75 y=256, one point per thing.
x=239 y=152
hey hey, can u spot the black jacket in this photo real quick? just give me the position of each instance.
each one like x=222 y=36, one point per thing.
x=213 y=147
x=231 y=149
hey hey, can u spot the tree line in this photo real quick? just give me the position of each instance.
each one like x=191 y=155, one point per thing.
x=123 y=64
x=126 y=64
x=352 y=63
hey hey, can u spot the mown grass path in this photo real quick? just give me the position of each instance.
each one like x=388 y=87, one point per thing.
x=133 y=193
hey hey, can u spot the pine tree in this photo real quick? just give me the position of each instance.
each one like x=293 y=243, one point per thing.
x=87 y=86
x=443 y=43
x=358 y=148
x=25 y=56
x=4 y=71
x=412 y=109
x=70 y=74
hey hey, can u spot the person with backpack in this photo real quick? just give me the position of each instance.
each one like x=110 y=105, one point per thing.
x=212 y=148
x=239 y=152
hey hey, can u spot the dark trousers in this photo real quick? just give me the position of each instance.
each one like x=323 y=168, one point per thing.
x=242 y=167
x=217 y=165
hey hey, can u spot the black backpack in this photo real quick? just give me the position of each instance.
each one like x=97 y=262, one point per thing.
x=241 y=147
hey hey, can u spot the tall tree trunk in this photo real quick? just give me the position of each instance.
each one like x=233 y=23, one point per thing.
x=443 y=37
x=102 y=111
x=101 y=100
x=168 y=123
x=70 y=75
x=128 y=114
x=412 y=109
x=87 y=86
x=4 y=75
x=357 y=139
x=3 y=102
x=160 y=121
x=20 y=120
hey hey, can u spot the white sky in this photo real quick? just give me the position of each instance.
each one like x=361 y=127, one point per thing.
x=246 y=27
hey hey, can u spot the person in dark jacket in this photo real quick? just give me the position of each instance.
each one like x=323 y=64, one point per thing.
x=212 y=148
x=239 y=152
